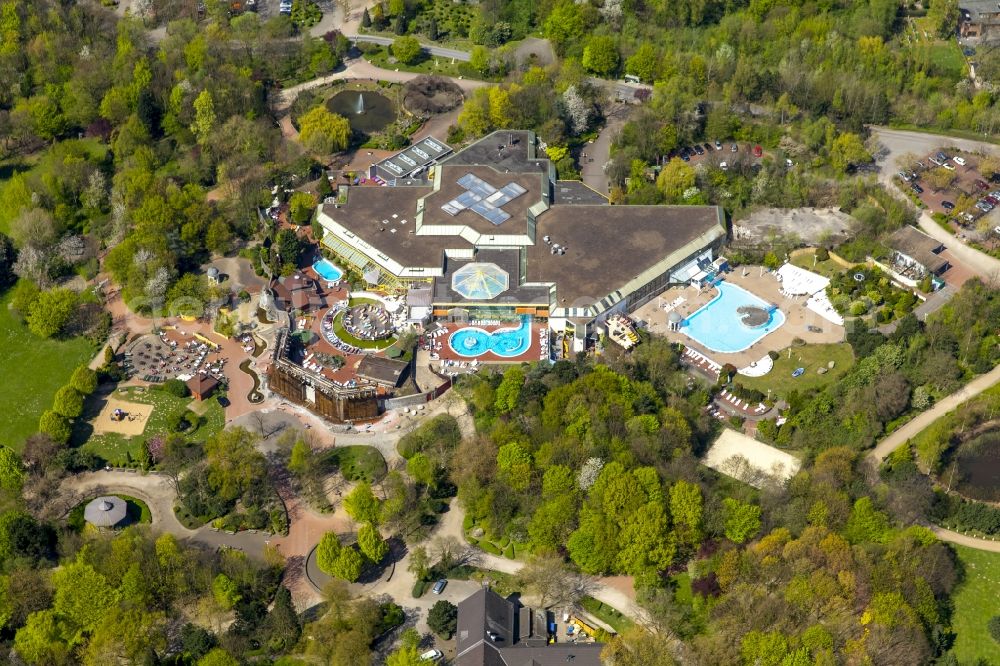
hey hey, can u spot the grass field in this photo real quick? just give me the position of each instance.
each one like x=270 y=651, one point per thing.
x=118 y=449
x=427 y=64
x=33 y=370
x=359 y=462
x=828 y=268
x=607 y=614
x=976 y=600
x=810 y=357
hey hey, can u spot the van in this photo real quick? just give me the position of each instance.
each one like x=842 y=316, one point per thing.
x=632 y=78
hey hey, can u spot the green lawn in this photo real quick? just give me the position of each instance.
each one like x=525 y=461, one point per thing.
x=118 y=449
x=358 y=462
x=136 y=512
x=427 y=64
x=976 y=600
x=828 y=268
x=610 y=616
x=810 y=357
x=33 y=370
x=341 y=332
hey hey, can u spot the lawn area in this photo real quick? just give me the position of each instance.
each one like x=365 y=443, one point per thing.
x=358 y=462
x=828 y=268
x=33 y=370
x=606 y=614
x=427 y=64
x=119 y=449
x=976 y=600
x=810 y=357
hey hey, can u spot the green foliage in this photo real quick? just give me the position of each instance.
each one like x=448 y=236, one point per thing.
x=301 y=205
x=54 y=425
x=371 y=544
x=84 y=380
x=226 y=592
x=509 y=390
x=68 y=402
x=322 y=131
x=176 y=388
x=601 y=55
x=407 y=50
x=339 y=561
x=51 y=311
x=11 y=471
x=362 y=505
x=442 y=618
x=742 y=519
x=218 y=657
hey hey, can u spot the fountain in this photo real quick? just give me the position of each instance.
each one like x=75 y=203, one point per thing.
x=366 y=110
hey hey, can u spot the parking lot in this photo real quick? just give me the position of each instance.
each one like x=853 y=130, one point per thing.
x=967 y=202
x=720 y=154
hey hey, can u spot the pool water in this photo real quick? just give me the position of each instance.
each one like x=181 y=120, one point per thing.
x=506 y=342
x=718 y=324
x=326 y=270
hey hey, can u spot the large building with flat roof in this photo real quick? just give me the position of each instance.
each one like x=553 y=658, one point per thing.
x=494 y=234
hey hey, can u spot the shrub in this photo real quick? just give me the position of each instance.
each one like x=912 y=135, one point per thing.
x=419 y=588
x=176 y=388
x=994 y=627
x=822 y=254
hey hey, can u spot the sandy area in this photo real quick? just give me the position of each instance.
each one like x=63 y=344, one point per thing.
x=136 y=416
x=798 y=317
x=745 y=459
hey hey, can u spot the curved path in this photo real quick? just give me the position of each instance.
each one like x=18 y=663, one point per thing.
x=923 y=420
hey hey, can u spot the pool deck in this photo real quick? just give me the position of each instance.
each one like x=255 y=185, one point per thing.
x=797 y=317
x=534 y=353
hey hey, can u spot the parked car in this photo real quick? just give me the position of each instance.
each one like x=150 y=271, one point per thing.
x=718 y=145
x=439 y=586
x=723 y=165
x=993 y=201
x=949 y=166
x=960 y=161
x=905 y=176
x=917 y=188
x=996 y=230
x=789 y=163
x=757 y=151
x=981 y=184
x=708 y=147
x=947 y=205
x=698 y=149
x=942 y=157
x=984 y=206
x=734 y=148
x=934 y=160
x=920 y=165
x=432 y=655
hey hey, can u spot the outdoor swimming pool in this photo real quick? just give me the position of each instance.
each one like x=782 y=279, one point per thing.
x=326 y=270
x=506 y=342
x=718 y=325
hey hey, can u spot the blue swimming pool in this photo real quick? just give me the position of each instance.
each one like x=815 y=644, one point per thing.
x=326 y=270
x=506 y=342
x=718 y=325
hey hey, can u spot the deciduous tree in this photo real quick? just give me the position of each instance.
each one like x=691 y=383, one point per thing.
x=324 y=132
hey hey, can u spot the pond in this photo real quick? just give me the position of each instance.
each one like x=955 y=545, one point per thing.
x=367 y=111
x=978 y=468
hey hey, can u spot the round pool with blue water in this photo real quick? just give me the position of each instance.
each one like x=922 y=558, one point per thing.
x=719 y=326
x=326 y=270
x=506 y=342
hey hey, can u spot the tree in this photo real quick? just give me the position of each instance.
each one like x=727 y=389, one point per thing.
x=84 y=380
x=68 y=402
x=21 y=536
x=422 y=469
x=940 y=178
x=674 y=179
x=54 y=425
x=339 y=561
x=327 y=551
x=509 y=390
x=50 y=314
x=741 y=519
x=300 y=461
x=8 y=256
x=406 y=49
x=83 y=596
x=644 y=63
x=371 y=543
x=686 y=511
x=600 y=56
x=943 y=16
x=419 y=564
x=302 y=205
x=11 y=470
x=848 y=149
x=282 y=626
x=40 y=642
x=408 y=653
x=218 y=657
x=226 y=591
x=204 y=116
x=324 y=132
x=564 y=25
x=362 y=505
x=988 y=166
x=366 y=19
x=639 y=647
x=554 y=581
x=443 y=618
x=480 y=60
x=432 y=29
x=234 y=463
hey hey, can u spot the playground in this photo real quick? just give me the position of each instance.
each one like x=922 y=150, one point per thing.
x=123 y=418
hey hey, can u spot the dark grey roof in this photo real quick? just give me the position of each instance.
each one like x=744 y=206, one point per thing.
x=575 y=192
x=492 y=631
x=105 y=511
x=382 y=370
x=918 y=246
x=980 y=10
x=512 y=150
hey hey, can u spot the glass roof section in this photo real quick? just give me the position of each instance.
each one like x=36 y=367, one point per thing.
x=480 y=282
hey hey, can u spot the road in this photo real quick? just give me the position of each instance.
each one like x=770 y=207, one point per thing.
x=362 y=69
x=439 y=51
x=599 y=152
x=899 y=142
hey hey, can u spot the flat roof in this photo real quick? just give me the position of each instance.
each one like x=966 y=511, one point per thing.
x=608 y=246
x=517 y=208
x=576 y=192
x=368 y=214
x=508 y=260
x=382 y=370
x=413 y=158
x=512 y=150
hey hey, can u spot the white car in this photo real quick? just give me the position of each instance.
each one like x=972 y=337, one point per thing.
x=723 y=165
x=431 y=655
x=960 y=161
x=949 y=167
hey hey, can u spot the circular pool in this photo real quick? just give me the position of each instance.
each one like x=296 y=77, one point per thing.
x=366 y=111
